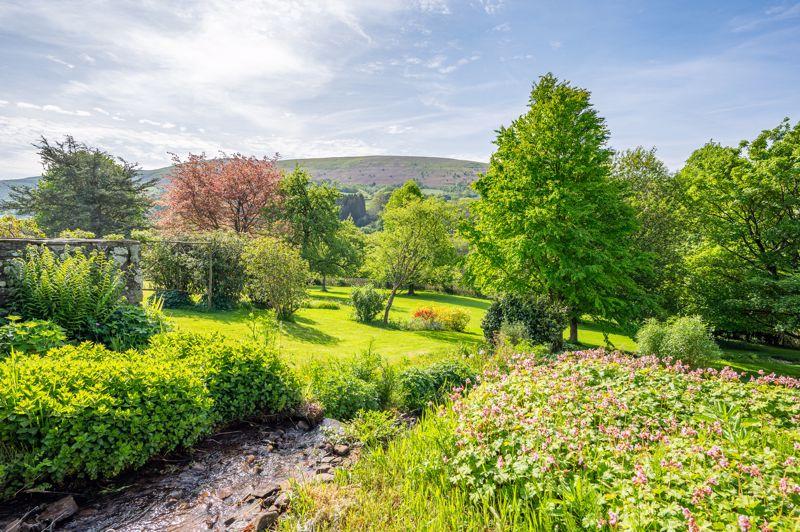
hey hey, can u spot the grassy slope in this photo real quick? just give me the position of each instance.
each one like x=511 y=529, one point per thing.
x=322 y=333
x=319 y=333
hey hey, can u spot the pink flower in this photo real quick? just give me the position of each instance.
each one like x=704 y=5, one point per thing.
x=613 y=518
x=691 y=524
x=500 y=462
x=744 y=523
x=640 y=477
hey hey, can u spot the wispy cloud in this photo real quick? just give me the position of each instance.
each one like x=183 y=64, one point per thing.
x=55 y=59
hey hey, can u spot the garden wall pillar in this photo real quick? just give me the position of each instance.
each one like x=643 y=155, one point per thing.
x=126 y=253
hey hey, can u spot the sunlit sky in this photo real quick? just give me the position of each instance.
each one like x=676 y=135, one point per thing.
x=318 y=78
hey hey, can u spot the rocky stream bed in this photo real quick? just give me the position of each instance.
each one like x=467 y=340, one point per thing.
x=234 y=480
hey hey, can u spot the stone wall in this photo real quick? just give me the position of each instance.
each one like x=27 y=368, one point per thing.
x=125 y=252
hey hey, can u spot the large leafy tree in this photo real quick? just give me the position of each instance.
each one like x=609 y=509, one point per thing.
x=655 y=197
x=744 y=206
x=230 y=192
x=549 y=219
x=84 y=187
x=415 y=236
x=310 y=214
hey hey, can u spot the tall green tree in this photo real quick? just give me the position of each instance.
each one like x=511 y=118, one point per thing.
x=311 y=214
x=655 y=197
x=549 y=219
x=84 y=187
x=409 y=191
x=415 y=236
x=744 y=205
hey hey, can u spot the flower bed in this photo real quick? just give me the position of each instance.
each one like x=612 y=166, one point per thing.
x=604 y=440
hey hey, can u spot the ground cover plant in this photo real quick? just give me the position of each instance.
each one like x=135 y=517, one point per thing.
x=590 y=440
x=85 y=412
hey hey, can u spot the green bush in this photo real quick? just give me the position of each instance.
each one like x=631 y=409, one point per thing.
x=224 y=249
x=84 y=412
x=685 y=338
x=76 y=233
x=373 y=428
x=36 y=336
x=544 y=321
x=419 y=387
x=170 y=267
x=130 y=326
x=172 y=298
x=277 y=276
x=367 y=303
x=341 y=392
x=76 y=290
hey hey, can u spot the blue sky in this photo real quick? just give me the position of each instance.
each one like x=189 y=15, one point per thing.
x=320 y=78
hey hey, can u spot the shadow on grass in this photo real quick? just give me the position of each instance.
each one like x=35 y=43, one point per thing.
x=451 y=337
x=301 y=329
x=446 y=299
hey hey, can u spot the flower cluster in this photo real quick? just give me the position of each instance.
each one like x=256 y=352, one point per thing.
x=628 y=443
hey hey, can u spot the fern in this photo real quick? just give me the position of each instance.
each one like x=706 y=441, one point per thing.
x=76 y=290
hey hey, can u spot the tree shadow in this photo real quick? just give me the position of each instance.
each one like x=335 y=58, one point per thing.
x=301 y=329
x=452 y=337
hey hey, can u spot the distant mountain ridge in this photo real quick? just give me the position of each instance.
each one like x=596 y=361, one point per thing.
x=373 y=170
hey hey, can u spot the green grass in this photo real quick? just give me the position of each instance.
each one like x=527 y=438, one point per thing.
x=317 y=334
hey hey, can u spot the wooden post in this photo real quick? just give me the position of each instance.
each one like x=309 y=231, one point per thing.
x=210 y=278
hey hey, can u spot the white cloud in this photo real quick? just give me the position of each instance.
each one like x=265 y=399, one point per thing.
x=59 y=61
x=492 y=6
x=88 y=58
x=556 y=45
x=434 y=6
x=101 y=111
x=504 y=27
x=3 y=102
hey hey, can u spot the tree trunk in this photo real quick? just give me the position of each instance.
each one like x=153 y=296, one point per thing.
x=389 y=305
x=324 y=284
x=411 y=289
x=573 y=330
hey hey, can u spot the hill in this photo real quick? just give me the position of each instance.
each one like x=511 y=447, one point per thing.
x=435 y=173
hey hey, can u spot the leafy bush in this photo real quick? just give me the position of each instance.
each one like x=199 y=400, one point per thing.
x=633 y=443
x=172 y=298
x=76 y=233
x=76 y=290
x=367 y=302
x=225 y=251
x=36 y=336
x=114 y=236
x=171 y=268
x=84 y=412
x=131 y=326
x=276 y=276
x=439 y=318
x=419 y=387
x=13 y=227
x=341 y=392
x=321 y=304
x=685 y=338
x=453 y=319
x=544 y=321
x=373 y=428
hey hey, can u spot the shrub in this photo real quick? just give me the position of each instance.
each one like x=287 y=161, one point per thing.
x=172 y=298
x=13 y=227
x=321 y=304
x=341 y=392
x=367 y=302
x=225 y=251
x=602 y=436
x=544 y=321
x=170 y=268
x=685 y=338
x=36 y=336
x=84 y=412
x=276 y=276
x=419 y=387
x=74 y=290
x=76 y=233
x=114 y=236
x=373 y=428
x=453 y=319
x=439 y=318
x=131 y=326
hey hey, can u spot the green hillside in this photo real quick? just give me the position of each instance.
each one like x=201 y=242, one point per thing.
x=435 y=173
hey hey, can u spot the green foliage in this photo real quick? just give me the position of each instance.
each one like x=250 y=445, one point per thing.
x=276 y=275
x=130 y=326
x=373 y=428
x=439 y=318
x=224 y=250
x=172 y=298
x=542 y=321
x=13 y=227
x=35 y=336
x=367 y=302
x=549 y=219
x=76 y=290
x=76 y=233
x=685 y=338
x=744 y=266
x=420 y=387
x=404 y=195
x=114 y=236
x=84 y=187
x=83 y=412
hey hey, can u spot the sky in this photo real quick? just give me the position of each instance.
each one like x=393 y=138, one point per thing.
x=320 y=78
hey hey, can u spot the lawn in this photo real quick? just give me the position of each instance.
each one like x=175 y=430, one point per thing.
x=317 y=334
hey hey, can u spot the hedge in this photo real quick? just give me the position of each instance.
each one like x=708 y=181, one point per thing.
x=86 y=413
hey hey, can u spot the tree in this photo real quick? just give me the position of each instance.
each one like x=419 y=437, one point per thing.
x=13 y=227
x=409 y=191
x=744 y=204
x=549 y=219
x=414 y=237
x=276 y=275
x=311 y=214
x=655 y=198
x=83 y=187
x=230 y=192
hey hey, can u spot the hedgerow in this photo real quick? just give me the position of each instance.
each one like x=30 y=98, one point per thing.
x=85 y=412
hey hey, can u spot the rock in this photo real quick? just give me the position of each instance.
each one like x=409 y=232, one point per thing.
x=250 y=458
x=324 y=469
x=265 y=490
x=14 y=526
x=270 y=447
x=61 y=509
x=341 y=449
x=282 y=502
x=265 y=520
x=302 y=425
x=332 y=425
x=324 y=477
x=225 y=492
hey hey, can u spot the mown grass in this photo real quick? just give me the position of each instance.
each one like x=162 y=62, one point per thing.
x=318 y=334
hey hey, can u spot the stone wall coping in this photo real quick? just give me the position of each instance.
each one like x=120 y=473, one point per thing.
x=67 y=240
